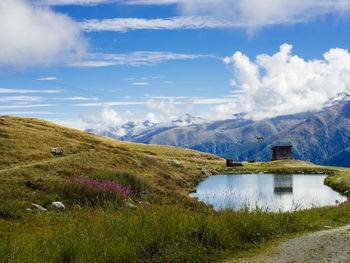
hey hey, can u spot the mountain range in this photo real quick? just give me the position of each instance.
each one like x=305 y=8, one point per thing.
x=321 y=137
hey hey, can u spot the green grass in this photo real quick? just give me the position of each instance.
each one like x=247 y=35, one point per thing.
x=153 y=234
x=10 y=209
x=165 y=226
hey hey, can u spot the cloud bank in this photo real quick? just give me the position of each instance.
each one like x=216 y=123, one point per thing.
x=32 y=35
x=284 y=83
x=197 y=14
x=255 y=13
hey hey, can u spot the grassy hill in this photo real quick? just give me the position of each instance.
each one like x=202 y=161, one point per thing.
x=155 y=222
x=26 y=159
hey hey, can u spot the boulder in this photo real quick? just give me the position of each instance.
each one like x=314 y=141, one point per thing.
x=175 y=162
x=39 y=207
x=58 y=204
x=204 y=172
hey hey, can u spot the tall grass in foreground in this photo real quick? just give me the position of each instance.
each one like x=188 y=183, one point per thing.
x=152 y=234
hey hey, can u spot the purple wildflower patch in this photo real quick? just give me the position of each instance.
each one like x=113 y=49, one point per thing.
x=108 y=187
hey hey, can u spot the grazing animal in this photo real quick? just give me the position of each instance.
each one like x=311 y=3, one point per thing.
x=57 y=151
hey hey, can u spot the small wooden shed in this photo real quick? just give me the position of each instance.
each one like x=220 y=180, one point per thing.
x=282 y=153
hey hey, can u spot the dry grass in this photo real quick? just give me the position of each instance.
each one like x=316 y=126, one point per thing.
x=25 y=157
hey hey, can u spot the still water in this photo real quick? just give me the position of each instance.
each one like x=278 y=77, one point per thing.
x=270 y=192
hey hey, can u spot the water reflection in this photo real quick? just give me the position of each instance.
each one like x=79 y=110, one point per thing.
x=267 y=191
x=283 y=184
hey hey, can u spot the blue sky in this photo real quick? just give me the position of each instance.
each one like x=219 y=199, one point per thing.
x=87 y=63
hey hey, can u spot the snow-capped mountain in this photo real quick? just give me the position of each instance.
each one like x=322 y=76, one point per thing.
x=186 y=120
x=339 y=98
x=131 y=129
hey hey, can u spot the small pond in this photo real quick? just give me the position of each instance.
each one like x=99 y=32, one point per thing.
x=270 y=192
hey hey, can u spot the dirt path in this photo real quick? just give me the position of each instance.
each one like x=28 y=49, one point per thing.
x=38 y=163
x=323 y=246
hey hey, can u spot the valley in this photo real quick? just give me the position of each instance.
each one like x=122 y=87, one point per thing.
x=154 y=219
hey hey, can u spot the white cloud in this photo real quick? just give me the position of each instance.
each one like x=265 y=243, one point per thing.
x=78 y=124
x=20 y=98
x=19 y=106
x=19 y=113
x=256 y=13
x=28 y=91
x=127 y=24
x=47 y=78
x=165 y=106
x=32 y=35
x=133 y=59
x=80 y=98
x=249 y=14
x=126 y=103
x=140 y=83
x=104 y=117
x=285 y=83
x=72 y=2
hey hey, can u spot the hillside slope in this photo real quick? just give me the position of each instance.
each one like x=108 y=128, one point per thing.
x=25 y=158
x=220 y=136
x=322 y=138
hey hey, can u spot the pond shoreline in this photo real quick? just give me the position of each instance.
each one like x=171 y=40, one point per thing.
x=270 y=192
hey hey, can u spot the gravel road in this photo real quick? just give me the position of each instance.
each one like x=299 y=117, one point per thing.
x=324 y=246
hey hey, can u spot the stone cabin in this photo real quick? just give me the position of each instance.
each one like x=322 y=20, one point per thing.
x=282 y=153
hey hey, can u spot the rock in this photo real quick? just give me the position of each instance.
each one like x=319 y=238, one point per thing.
x=175 y=162
x=346 y=191
x=58 y=205
x=204 y=172
x=39 y=207
x=130 y=204
x=29 y=210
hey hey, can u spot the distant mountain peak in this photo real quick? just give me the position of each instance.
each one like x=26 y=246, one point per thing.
x=186 y=120
x=337 y=99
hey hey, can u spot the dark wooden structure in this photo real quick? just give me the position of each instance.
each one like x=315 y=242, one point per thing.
x=282 y=153
x=231 y=163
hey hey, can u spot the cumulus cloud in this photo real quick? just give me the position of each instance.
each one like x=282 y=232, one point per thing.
x=103 y=117
x=284 y=83
x=32 y=35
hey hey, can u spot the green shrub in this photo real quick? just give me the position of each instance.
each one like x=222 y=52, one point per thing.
x=10 y=209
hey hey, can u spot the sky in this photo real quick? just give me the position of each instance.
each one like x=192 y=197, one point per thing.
x=102 y=63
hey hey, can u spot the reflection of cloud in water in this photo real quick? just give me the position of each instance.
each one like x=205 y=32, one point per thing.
x=272 y=192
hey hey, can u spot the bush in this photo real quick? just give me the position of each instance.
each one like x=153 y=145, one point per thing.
x=10 y=209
